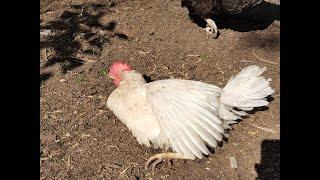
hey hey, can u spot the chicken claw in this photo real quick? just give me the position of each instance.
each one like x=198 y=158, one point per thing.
x=158 y=158
x=212 y=28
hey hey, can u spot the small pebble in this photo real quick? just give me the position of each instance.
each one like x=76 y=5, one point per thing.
x=252 y=133
x=233 y=162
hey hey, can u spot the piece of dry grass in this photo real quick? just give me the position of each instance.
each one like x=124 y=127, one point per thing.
x=263 y=128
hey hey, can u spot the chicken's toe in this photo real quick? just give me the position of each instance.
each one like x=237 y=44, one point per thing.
x=158 y=158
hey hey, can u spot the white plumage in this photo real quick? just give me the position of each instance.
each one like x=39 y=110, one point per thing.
x=186 y=115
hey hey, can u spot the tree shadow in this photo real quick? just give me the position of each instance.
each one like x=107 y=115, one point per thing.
x=269 y=167
x=78 y=30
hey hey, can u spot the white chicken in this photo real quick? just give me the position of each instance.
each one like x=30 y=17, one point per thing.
x=183 y=115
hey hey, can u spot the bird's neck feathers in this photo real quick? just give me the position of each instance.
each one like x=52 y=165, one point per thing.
x=131 y=79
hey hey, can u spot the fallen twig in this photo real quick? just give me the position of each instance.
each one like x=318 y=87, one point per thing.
x=57 y=111
x=75 y=59
x=217 y=63
x=264 y=60
x=122 y=172
x=81 y=115
x=193 y=55
x=100 y=112
x=45 y=54
x=246 y=61
x=143 y=158
x=262 y=128
x=135 y=164
x=44 y=159
x=52 y=11
x=198 y=61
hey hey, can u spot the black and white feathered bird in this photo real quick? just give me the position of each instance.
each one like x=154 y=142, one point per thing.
x=206 y=9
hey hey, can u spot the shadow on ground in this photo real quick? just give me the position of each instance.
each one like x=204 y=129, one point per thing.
x=78 y=30
x=269 y=167
x=258 y=18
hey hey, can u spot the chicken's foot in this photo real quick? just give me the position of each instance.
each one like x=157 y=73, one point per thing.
x=158 y=158
x=211 y=28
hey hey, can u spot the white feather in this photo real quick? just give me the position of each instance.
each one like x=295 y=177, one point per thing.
x=245 y=91
x=184 y=105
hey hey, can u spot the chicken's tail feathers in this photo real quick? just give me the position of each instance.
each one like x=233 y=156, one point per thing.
x=245 y=91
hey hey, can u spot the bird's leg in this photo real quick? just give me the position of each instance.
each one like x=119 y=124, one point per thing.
x=158 y=158
x=211 y=28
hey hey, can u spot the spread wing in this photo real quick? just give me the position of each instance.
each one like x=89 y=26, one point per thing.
x=186 y=111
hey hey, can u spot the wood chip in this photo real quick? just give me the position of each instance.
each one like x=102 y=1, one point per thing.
x=76 y=144
x=85 y=135
x=233 y=162
x=76 y=59
x=44 y=159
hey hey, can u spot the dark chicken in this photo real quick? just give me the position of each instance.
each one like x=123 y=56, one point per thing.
x=206 y=9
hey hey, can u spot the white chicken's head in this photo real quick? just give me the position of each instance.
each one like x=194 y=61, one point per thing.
x=116 y=70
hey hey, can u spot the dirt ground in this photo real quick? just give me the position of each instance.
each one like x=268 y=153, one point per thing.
x=82 y=139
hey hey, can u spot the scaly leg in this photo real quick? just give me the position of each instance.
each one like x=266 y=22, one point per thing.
x=212 y=28
x=158 y=158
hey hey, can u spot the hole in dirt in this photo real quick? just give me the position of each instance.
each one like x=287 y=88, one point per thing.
x=147 y=78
